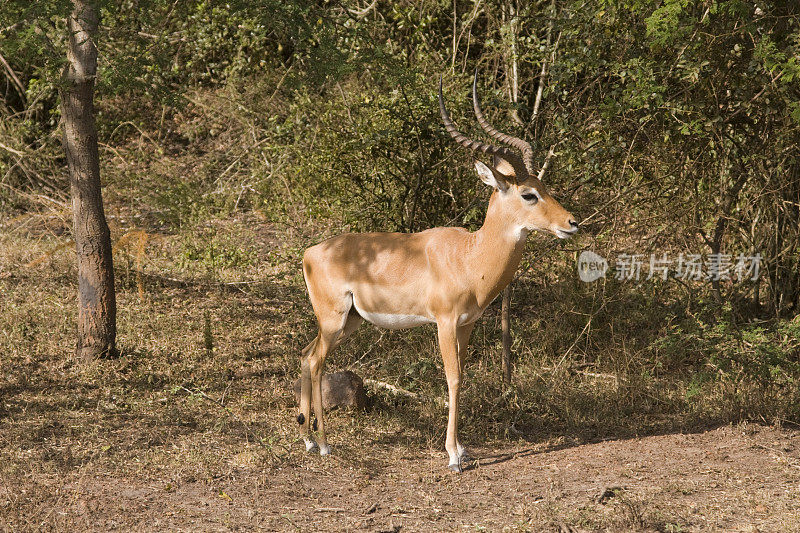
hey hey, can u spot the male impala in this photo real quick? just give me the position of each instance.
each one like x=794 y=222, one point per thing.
x=447 y=276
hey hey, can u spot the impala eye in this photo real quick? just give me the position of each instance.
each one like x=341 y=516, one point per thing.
x=530 y=197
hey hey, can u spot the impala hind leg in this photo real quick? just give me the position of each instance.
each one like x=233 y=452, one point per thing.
x=316 y=364
x=304 y=418
x=332 y=331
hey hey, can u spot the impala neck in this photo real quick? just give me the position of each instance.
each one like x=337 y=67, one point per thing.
x=498 y=250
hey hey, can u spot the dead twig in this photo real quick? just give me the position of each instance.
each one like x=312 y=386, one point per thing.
x=13 y=151
x=397 y=391
x=361 y=13
x=15 y=81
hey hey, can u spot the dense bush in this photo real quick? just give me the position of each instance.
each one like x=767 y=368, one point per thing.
x=677 y=127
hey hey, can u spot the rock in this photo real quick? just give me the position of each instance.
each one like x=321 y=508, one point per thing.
x=340 y=389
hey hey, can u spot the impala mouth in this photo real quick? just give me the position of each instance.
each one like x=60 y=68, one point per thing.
x=565 y=234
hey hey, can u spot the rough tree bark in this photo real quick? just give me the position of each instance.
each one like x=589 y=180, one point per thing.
x=97 y=307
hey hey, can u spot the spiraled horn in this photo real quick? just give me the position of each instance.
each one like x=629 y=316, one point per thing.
x=523 y=146
x=465 y=141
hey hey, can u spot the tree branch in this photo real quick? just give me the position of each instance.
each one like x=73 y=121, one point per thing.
x=14 y=79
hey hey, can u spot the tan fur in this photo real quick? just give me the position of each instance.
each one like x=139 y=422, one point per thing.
x=443 y=275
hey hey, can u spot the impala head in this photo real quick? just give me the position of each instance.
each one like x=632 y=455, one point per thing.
x=519 y=190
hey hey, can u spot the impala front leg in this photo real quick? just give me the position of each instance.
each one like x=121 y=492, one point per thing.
x=462 y=336
x=448 y=344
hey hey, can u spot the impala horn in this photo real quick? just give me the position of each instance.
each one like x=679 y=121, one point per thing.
x=523 y=146
x=466 y=142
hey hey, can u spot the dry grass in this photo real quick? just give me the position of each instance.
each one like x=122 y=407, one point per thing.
x=212 y=317
x=211 y=322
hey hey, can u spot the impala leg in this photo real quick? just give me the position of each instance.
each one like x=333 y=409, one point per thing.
x=316 y=364
x=448 y=344
x=353 y=321
x=332 y=332
x=304 y=417
x=462 y=337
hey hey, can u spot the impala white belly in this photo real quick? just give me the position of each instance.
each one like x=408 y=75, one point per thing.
x=392 y=320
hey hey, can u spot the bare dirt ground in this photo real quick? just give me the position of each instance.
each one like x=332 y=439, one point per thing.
x=733 y=478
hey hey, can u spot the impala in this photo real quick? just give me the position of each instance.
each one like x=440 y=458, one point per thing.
x=446 y=276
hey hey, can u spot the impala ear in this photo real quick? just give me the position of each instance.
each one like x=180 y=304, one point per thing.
x=504 y=166
x=491 y=177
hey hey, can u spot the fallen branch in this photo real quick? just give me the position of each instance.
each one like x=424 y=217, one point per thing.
x=397 y=391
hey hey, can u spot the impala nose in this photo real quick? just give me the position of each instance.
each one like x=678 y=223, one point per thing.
x=564 y=233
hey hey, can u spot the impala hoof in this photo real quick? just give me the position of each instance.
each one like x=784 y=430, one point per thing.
x=455 y=467
x=311 y=446
x=324 y=450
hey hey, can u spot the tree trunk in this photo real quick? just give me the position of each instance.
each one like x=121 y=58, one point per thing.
x=512 y=76
x=97 y=307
